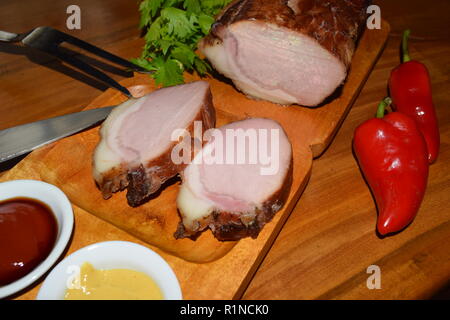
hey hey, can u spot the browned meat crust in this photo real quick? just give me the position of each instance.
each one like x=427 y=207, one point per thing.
x=335 y=24
x=146 y=179
x=231 y=226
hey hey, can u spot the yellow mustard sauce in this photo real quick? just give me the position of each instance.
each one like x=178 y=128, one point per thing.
x=113 y=284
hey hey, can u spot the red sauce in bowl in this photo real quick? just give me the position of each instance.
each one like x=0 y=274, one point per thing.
x=28 y=230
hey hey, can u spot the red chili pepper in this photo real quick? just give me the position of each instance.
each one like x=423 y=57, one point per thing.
x=392 y=155
x=410 y=89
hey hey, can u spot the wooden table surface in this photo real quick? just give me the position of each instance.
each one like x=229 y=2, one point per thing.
x=312 y=257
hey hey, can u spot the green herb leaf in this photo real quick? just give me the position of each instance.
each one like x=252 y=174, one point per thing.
x=168 y=73
x=173 y=29
x=192 y=6
x=144 y=63
x=154 y=32
x=184 y=54
x=205 y=22
x=177 y=22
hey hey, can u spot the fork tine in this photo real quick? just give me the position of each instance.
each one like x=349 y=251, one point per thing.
x=102 y=53
x=48 y=39
x=91 y=71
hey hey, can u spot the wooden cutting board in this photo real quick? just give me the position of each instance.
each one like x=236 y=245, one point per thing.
x=310 y=131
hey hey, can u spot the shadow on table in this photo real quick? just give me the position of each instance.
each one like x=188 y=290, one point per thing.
x=443 y=294
x=7 y=165
x=50 y=62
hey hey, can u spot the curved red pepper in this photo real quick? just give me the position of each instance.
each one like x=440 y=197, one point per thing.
x=392 y=155
x=410 y=89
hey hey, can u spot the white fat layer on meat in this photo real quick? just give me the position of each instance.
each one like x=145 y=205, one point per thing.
x=105 y=158
x=192 y=204
x=276 y=96
x=139 y=130
x=192 y=208
x=238 y=188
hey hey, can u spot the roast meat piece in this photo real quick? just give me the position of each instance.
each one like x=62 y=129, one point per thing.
x=137 y=139
x=286 y=51
x=238 y=181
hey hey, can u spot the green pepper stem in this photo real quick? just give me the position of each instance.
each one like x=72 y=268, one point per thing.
x=382 y=107
x=405 y=49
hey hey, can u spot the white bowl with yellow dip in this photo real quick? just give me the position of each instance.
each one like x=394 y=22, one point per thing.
x=112 y=270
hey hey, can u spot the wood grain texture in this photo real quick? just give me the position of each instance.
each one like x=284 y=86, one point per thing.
x=155 y=221
x=226 y=277
x=328 y=241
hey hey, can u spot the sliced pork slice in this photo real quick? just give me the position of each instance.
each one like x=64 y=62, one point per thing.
x=136 y=139
x=238 y=181
x=287 y=52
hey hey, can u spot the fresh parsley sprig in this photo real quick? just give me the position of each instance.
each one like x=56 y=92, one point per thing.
x=173 y=30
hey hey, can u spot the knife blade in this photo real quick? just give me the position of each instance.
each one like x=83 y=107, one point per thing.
x=19 y=140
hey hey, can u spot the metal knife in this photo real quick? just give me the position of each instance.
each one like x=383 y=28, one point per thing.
x=19 y=140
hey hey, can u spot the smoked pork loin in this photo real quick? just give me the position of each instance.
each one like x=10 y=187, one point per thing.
x=286 y=51
x=136 y=139
x=235 y=188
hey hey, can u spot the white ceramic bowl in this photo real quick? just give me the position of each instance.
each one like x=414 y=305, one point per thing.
x=62 y=209
x=112 y=255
